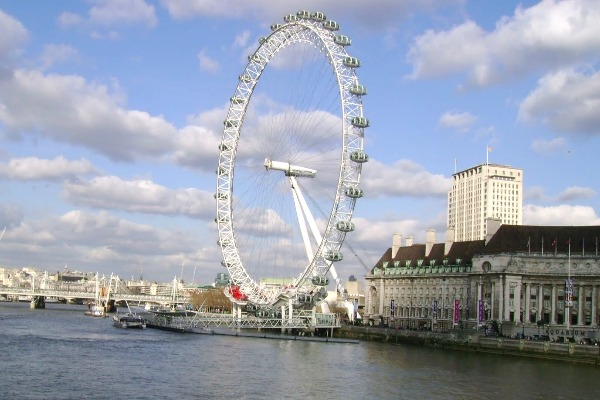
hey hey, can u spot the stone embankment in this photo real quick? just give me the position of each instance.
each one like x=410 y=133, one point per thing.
x=468 y=340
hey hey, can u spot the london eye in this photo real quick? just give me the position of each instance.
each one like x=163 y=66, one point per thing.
x=290 y=161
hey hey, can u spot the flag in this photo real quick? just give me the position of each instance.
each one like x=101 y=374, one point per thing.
x=489 y=149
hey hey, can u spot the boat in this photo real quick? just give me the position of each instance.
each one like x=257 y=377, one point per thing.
x=95 y=311
x=178 y=311
x=97 y=307
x=130 y=321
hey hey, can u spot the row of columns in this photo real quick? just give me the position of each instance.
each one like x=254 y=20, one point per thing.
x=504 y=305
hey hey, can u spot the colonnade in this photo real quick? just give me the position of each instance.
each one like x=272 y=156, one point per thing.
x=523 y=302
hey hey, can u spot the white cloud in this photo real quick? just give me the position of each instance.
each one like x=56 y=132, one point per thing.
x=403 y=178
x=101 y=241
x=241 y=40
x=67 y=109
x=374 y=14
x=457 y=120
x=197 y=147
x=140 y=196
x=12 y=36
x=534 y=193
x=113 y=12
x=567 y=101
x=55 y=54
x=555 y=145
x=10 y=215
x=33 y=168
x=576 y=193
x=559 y=215
x=548 y=34
x=207 y=63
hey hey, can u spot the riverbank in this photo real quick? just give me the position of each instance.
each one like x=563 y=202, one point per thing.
x=468 y=340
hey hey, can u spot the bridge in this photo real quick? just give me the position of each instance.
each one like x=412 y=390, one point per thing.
x=107 y=290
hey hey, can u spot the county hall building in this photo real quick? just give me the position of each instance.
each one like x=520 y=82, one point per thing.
x=490 y=271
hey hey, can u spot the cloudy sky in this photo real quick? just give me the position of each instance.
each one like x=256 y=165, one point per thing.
x=111 y=112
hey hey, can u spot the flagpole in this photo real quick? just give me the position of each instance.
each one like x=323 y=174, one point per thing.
x=542 y=246
x=569 y=290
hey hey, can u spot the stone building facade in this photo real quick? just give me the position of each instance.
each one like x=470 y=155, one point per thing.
x=518 y=277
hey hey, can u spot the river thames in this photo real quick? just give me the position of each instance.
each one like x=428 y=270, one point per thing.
x=59 y=353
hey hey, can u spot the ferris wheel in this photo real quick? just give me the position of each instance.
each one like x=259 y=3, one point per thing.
x=290 y=161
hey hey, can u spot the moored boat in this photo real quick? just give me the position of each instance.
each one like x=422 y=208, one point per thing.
x=130 y=321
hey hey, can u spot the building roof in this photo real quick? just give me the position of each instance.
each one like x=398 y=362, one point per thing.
x=508 y=239
x=523 y=238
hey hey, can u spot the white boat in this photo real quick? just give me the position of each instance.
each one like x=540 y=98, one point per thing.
x=130 y=321
x=95 y=311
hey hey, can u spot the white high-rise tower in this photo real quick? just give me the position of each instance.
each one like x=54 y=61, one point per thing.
x=482 y=192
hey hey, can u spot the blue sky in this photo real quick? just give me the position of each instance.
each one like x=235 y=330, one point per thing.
x=110 y=113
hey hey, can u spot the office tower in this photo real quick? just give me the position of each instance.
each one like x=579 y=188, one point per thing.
x=482 y=192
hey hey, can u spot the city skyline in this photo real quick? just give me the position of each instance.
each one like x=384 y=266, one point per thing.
x=110 y=121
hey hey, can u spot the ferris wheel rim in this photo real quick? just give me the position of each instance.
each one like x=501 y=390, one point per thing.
x=294 y=31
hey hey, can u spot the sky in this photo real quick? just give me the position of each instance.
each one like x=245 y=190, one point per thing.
x=111 y=112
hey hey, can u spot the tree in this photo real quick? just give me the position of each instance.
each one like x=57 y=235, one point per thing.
x=210 y=300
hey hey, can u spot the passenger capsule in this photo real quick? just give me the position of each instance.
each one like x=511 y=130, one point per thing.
x=245 y=78
x=221 y=171
x=331 y=25
x=358 y=90
x=261 y=313
x=318 y=16
x=223 y=243
x=262 y=39
x=351 y=62
x=250 y=307
x=223 y=218
x=332 y=255
x=360 y=122
x=223 y=263
x=359 y=156
x=342 y=40
x=221 y=196
x=223 y=147
x=354 y=192
x=237 y=100
x=320 y=280
x=254 y=58
x=304 y=298
x=231 y=123
x=274 y=27
x=303 y=14
x=290 y=18
x=345 y=226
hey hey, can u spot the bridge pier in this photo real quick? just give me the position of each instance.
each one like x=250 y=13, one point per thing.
x=110 y=306
x=38 y=302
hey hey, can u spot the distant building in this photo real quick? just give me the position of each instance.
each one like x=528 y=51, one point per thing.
x=355 y=293
x=482 y=192
x=517 y=277
x=222 y=280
